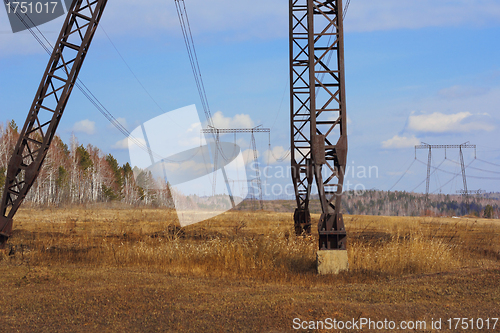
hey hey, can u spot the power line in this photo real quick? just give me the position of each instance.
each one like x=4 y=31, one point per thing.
x=488 y=162
x=435 y=169
x=479 y=169
x=488 y=178
x=404 y=173
x=458 y=174
x=281 y=103
x=283 y=157
x=437 y=175
x=193 y=57
x=130 y=69
x=345 y=9
x=82 y=87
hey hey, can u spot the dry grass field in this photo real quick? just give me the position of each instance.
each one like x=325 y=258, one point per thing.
x=107 y=270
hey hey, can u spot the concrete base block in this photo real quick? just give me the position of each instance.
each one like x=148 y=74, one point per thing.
x=332 y=261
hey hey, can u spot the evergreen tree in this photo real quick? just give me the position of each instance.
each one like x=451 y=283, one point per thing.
x=117 y=173
x=488 y=211
x=84 y=160
x=13 y=126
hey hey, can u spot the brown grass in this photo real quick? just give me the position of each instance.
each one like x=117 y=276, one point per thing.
x=112 y=270
x=247 y=245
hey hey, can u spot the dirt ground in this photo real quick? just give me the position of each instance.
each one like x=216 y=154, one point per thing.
x=43 y=294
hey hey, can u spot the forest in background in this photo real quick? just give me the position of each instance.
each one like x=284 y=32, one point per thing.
x=374 y=202
x=73 y=174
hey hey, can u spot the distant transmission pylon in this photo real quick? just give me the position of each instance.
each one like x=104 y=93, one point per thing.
x=465 y=192
x=258 y=129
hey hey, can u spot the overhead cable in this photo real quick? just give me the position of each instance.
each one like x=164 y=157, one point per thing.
x=81 y=86
x=193 y=57
x=345 y=9
x=404 y=173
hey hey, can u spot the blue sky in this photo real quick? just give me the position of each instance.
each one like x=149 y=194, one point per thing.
x=415 y=71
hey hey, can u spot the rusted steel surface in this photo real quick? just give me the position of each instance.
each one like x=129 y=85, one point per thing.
x=48 y=106
x=318 y=115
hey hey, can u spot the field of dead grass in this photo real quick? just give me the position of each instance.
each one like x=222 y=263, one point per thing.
x=99 y=251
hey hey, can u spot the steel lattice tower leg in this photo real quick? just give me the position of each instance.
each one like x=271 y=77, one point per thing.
x=257 y=179
x=464 y=178
x=318 y=115
x=428 y=179
x=48 y=106
x=466 y=145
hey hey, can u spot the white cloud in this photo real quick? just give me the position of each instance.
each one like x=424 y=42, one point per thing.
x=121 y=121
x=449 y=123
x=122 y=144
x=196 y=127
x=137 y=142
x=188 y=167
x=242 y=142
x=192 y=138
x=248 y=156
x=278 y=152
x=401 y=142
x=85 y=126
x=238 y=121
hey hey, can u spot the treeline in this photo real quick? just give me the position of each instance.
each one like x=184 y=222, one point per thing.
x=77 y=174
x=375 y=202
x=74 y=174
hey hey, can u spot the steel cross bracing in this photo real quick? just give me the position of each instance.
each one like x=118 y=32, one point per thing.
x=318 y=115
x=48 y=106
x=427 y=146
x=235 y=130
x=258 y=129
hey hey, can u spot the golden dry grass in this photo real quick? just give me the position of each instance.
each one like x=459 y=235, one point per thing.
x=109 y=270
x=247 y=244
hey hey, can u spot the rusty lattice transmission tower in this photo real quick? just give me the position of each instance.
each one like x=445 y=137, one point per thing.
x=48 y=106
x=318 y=112
x=318 y=115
